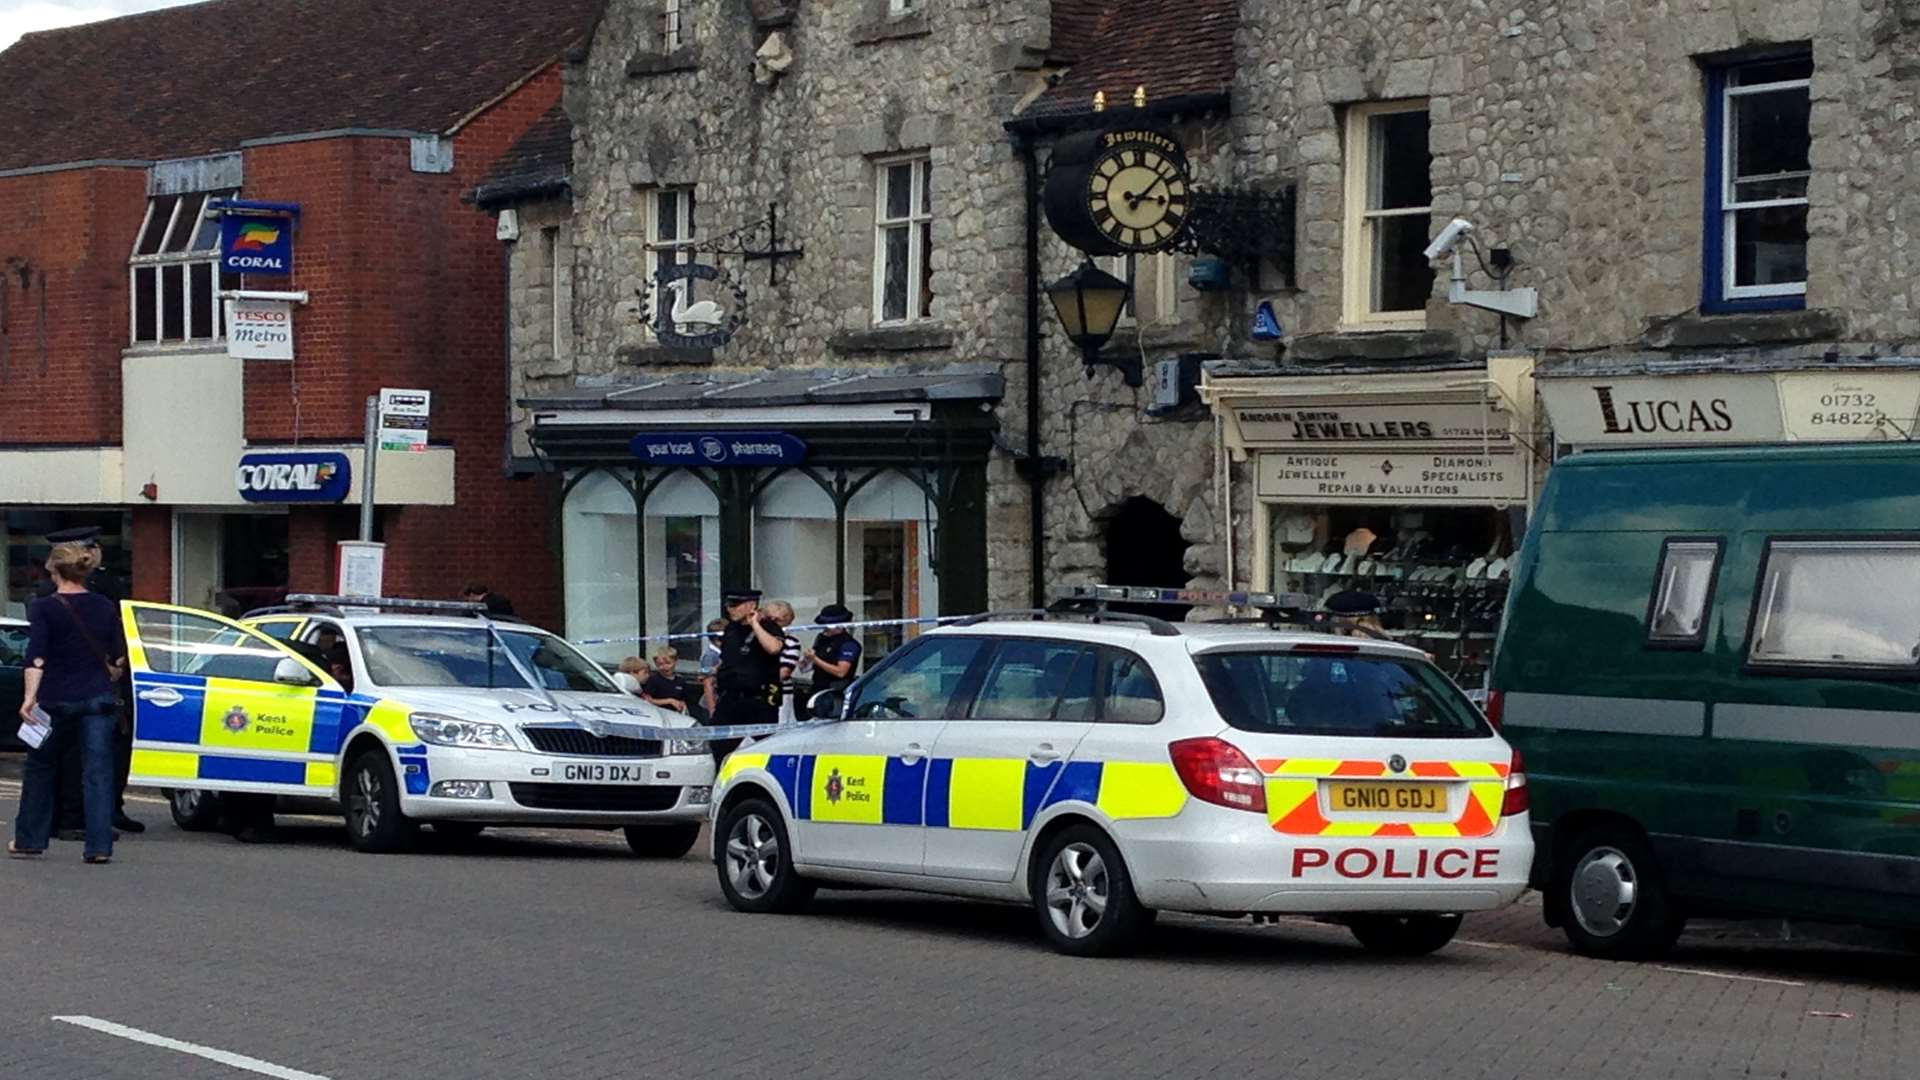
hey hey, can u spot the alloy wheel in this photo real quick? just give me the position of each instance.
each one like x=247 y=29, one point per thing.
x=753 y=856
x=364 y=801
x=1077 y=890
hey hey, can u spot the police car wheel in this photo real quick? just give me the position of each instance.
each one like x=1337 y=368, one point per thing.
x=1615 y=896
x=193 y=810
x=1084 y=895
x=662 y=841
x=756 y=861
x=1404 y=935
x=372 y=798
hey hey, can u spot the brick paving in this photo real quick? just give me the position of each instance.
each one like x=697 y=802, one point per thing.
x=556 y=956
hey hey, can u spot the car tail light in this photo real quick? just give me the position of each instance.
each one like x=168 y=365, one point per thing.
x=1516 y=801
x=1215 y=771
x=1496 y=707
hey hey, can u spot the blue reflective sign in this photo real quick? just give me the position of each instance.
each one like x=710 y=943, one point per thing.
x=294 y=476
x=253 y=244
x=719 y=448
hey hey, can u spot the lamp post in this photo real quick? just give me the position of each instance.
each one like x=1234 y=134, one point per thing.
x=1089 y=302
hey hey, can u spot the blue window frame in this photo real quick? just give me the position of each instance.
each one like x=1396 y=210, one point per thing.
x=1758 y=167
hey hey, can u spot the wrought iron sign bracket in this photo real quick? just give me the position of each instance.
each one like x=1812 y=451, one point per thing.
x=755 y=242
x=1246 y=228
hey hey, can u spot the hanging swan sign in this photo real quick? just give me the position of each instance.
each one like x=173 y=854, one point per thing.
x=690 y=316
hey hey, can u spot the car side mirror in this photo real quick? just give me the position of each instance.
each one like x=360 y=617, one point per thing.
x=827 y=704
x=291 y=672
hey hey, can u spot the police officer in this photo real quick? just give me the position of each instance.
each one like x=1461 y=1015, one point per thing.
x=748 y=682
x=835 y=654
x=109 y=585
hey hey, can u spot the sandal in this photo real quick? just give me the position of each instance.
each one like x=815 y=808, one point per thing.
x=14 y=851
x=96 y=860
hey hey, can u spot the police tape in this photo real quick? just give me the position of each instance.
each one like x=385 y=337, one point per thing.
x=928 y=620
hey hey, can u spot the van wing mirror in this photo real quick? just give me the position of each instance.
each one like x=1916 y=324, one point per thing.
x=827 y=704
x=290 y=672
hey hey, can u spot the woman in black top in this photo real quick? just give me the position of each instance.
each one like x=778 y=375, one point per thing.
x=75 y=653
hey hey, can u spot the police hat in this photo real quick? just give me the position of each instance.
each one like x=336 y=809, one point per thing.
x=85 y=534
x=731 y=597
x=833 y=614
x=1353 y=602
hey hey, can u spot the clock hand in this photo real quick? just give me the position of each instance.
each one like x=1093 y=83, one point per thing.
x=1134 y=201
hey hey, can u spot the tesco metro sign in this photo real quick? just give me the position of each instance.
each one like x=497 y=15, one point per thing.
x=294 y=476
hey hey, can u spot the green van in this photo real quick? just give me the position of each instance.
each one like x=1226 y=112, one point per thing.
x=1711 y=663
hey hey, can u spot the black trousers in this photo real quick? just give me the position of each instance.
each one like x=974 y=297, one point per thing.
x=741 y=709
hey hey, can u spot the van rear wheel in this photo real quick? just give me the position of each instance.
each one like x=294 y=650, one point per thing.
x=1615 y=897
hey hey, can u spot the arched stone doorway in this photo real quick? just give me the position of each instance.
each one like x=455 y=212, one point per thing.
x=1144 y=547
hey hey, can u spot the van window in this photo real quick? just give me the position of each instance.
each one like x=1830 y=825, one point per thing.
x=1683 y=593
x=1285 y=693
x=1838 y=604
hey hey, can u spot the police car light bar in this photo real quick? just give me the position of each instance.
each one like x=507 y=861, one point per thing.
x=1134 y=594
x=389 y=603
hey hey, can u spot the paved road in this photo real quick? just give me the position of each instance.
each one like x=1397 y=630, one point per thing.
x=557 y=956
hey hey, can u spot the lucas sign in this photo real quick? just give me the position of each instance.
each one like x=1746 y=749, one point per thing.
x=260 y=329
x=294 y=476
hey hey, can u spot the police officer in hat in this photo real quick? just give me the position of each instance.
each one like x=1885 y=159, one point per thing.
x=835 y=653
x=69 y=824
x=748 y=681
x=1357 y=613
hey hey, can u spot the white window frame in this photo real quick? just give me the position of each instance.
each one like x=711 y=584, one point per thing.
x=186 y=259
x=673 y=25
x=669 y=252
x=918 y=222
x=1359 y=269
x=903 y=7
x=1730 y=206
x=1158 y=268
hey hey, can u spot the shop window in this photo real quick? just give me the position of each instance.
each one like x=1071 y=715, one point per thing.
x=794 y=536
x=889 y=529
x=1151 y=300
x=1758 y=164
x=1389 y=195
x=1845 y=605
x=682 y=538
x=903 y=241
x=671 y=235
x=1037 y=680
x=600 y=547
x=175 y=272
x=1683 y=594
x=27 y=549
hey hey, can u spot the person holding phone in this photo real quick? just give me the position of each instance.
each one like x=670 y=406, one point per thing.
x=748 y=682
x=76 y=653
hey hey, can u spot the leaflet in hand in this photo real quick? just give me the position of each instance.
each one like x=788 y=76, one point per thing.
x=35 y=731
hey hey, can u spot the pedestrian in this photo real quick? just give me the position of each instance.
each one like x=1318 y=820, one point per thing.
x=76 y=654
x=835 y=654
x=710 y=663
x=478 y=593
x=662 y=686
x=630 y=673
x=748 y=681
x=70 y=819
x=792 y=656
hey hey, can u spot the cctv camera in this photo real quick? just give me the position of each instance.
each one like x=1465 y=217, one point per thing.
x=1448 y=239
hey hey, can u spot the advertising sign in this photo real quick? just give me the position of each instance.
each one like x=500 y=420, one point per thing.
x=722 y=449
x=1851 y=405
x=291 y=476
x=1336 y=423
x=403 y=419
x=363 y=565
x=260 y=329
x=256 y=244
x=1754 y=407
x=1398 y=479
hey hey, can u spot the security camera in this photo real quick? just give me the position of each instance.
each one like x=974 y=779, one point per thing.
x=1448 y=239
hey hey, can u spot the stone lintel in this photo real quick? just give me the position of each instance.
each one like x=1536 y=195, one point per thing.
x=1748 y=328
x=655 y=63
x=892 y=28
x=891 y=339
x=662 y=356
x=1376 y=345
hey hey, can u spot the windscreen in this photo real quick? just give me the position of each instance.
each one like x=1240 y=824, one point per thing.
x=1288 y=693
x=472 y=657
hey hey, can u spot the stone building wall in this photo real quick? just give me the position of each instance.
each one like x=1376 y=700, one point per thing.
x=539 y=291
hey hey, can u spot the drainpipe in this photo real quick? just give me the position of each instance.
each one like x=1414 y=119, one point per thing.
x=1037 y=469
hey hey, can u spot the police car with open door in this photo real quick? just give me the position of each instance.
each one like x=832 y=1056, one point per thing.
x=402 y=713
x=1106 y=769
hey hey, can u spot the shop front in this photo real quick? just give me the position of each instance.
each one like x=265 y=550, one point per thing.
x=1411 y=486
x=28 y=547
x=865 y=491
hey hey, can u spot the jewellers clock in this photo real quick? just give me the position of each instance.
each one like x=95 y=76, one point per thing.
x=1112 y=192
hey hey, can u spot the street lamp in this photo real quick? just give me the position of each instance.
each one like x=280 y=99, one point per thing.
x=1089 y=302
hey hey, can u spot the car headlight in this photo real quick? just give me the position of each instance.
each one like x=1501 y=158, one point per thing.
x=452 y=731
x=686 y=746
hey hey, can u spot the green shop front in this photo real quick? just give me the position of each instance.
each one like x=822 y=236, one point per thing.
x=816 y=488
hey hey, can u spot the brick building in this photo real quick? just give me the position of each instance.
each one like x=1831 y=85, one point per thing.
x=119 y=403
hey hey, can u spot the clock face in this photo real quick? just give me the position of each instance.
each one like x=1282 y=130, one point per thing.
x=1138 y=197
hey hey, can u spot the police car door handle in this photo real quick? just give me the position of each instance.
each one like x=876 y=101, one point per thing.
x=163 y=696
x=913 y=752
x=1044 y=753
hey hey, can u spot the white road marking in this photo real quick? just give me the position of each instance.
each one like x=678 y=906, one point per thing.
x=238 y=1061
x=1730 y=975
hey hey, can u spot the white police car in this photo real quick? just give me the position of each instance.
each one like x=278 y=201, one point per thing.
x=402 y=719
x=1106 y=770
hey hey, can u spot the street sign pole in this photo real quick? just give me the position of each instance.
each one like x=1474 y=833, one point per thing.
x=372 y=453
